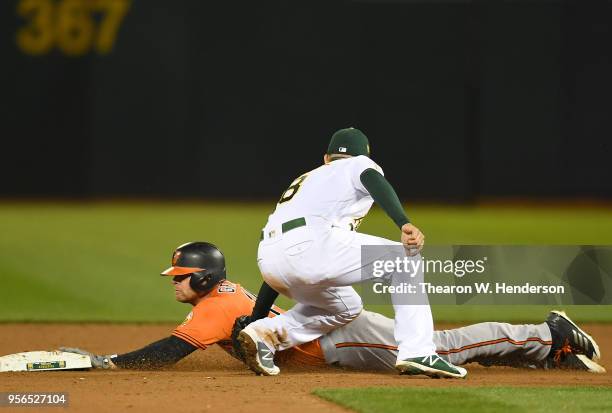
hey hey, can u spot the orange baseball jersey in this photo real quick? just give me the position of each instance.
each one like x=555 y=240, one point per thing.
x=211 y=321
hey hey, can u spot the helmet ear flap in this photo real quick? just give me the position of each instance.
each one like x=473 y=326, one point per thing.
x=204 y=282
x=200 y=282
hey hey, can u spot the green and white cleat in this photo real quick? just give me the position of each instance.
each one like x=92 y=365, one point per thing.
x=432 y=366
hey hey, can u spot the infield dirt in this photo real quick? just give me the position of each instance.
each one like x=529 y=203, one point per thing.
x=211 y=380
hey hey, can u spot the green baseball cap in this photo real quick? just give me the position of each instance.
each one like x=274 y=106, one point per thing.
x=349 y=141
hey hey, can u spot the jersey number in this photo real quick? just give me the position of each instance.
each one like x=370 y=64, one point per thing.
x=293 y=189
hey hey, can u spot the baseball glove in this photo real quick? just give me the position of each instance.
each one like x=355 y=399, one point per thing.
x=239 y=324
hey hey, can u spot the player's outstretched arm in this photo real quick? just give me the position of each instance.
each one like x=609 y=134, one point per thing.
x=162 y=353
x=385 y=196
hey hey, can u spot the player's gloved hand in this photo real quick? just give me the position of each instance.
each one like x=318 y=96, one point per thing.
x=413 y=239
x=97 y=362
x=239 y=324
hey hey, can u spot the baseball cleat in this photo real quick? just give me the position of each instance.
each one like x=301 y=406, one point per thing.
x=582 y=362
x=257 y=355
x=432 y=366
x=565 y=359
x=565 y=332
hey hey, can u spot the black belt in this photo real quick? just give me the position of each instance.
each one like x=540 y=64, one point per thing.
x=289 y=225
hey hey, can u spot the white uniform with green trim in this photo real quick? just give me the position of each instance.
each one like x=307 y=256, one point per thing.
x=331 y=194
x=317 y=263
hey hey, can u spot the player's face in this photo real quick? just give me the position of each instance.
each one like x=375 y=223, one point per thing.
x=182 y=290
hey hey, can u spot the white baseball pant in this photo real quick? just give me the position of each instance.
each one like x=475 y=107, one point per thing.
x=316 y=266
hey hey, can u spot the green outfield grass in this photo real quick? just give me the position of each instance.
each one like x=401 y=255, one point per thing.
x=472 y=399
x=100 y=261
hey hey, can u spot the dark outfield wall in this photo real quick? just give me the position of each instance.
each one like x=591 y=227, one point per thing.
x=234 y=99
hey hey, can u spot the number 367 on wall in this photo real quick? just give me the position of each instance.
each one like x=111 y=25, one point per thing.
x=75 y=27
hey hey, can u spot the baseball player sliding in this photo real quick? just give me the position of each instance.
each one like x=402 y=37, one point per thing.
x=310 y=252
x=367 y=343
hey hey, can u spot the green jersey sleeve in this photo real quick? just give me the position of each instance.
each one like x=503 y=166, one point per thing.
x=384 y=195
